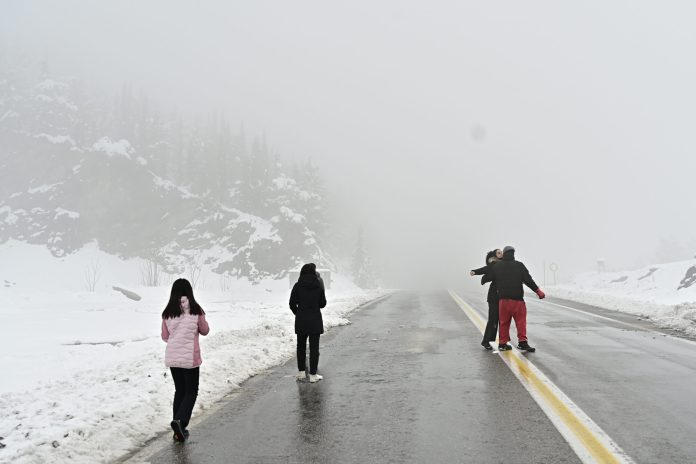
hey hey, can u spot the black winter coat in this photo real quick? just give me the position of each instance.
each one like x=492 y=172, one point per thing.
x=493 y=289
x=306 y=300
x=509 y=276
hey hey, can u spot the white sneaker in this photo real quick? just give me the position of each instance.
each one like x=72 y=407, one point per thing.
x=314 y=378
x=301 y=376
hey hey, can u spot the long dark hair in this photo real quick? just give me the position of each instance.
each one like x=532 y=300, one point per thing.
x=489 y=255
x=181 y=287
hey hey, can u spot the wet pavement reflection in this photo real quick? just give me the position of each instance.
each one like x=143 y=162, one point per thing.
x=310 y=419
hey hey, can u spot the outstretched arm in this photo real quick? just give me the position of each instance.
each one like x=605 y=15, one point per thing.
x=529 y=282
x=489 y=276
x=527 y=279
x=479 y=271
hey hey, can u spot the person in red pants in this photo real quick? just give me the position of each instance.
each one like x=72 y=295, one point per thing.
x=509 y=275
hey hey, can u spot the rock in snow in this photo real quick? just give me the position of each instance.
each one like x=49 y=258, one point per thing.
x=132 y=295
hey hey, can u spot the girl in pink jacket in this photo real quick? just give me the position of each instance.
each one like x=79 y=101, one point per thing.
x=182 y=321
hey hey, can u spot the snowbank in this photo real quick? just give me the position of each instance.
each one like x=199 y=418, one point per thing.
x=664 y=293
x=83 y=374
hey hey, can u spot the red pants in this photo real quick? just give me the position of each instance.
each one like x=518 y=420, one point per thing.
x=512 y=309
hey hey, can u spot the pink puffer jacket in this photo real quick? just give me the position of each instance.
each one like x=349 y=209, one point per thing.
x=181 y=335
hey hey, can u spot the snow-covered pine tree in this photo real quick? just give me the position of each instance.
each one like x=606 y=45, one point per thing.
x=256 y=179
x=312 y=199
x=363 y=274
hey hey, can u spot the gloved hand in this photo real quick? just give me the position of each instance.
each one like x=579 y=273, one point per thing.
x=540 y=294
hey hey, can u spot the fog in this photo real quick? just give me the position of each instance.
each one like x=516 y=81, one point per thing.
x=443 y=128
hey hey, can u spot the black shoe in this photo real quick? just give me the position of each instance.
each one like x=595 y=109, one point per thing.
x=179 y=434
x=486 y=345
x=524 y=346
x=186 y=435
x=505 y=347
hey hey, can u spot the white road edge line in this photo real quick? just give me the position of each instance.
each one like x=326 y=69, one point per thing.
x=628 y=324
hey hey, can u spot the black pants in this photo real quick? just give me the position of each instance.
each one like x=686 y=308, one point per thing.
x=492 y=325
x=313 y=352
x=186 y=392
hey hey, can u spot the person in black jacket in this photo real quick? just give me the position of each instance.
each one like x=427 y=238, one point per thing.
x=492 y=325
x=306 y=300
x=509 y=276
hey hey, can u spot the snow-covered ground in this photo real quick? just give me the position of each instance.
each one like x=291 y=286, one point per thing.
x=83 y=377
x=664 y=293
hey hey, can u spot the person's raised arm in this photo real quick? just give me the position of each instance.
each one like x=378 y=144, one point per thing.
x=480 y=271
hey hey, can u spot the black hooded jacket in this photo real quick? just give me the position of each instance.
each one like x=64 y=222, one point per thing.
x=509 y=276
x=306 y=300
x=493 y=288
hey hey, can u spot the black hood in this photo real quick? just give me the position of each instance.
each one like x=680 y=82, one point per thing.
x=509 y=255
x=309 y=268
x=309 y=281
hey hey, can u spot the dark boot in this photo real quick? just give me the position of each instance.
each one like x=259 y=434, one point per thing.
x=486 y=345
x=186 y=435
x=178 y=430
x=505 y=347
x=524 y=346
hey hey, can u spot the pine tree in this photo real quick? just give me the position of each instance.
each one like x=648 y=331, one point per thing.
x=257 y=179
x=313 y=198
x=363 y=274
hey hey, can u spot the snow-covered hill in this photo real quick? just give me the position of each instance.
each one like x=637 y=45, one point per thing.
x=665 y=293
x=77 y=170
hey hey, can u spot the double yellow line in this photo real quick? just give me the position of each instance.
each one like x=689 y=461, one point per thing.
x=588 y=440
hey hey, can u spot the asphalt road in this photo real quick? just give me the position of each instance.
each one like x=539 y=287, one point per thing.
x=406 y=382
x=634 y=380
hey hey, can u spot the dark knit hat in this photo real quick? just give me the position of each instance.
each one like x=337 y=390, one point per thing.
x=508 y=248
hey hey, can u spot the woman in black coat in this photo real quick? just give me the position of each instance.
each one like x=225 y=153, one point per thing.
x=492 y=325
x=306 y=300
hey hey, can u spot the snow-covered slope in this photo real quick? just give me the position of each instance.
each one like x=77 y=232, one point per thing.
x=75 y=171
x=83 y=372
x=665 y=293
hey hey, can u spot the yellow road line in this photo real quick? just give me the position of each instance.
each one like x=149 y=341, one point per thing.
x=588 y=440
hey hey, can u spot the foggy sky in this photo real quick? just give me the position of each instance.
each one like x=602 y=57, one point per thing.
x=445 y=128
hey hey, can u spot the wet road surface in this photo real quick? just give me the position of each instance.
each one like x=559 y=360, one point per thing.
x=636 y=383
x=406 y=382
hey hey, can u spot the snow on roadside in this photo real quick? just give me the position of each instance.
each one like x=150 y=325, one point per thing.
x=663 y=293
x=83 y=373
